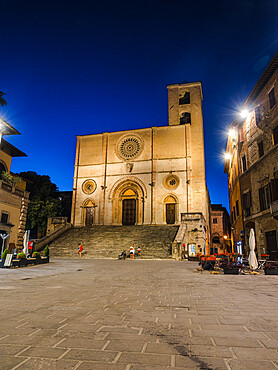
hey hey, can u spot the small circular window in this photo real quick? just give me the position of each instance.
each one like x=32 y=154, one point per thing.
x=171 y=182
x=89 y=186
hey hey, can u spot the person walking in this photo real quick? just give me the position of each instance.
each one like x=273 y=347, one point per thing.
x=80 y=249
x=131 y=252
x=139 y=251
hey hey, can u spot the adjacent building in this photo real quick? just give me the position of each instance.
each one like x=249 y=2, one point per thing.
x=149 y=176
x=220 y=230
x=14 y=198
x=252 y=166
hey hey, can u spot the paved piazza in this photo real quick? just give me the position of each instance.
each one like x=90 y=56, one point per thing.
x=142 y=314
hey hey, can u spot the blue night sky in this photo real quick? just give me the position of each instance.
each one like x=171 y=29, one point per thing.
x=82 y=67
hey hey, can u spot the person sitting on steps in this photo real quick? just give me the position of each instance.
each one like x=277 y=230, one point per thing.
x=80 y=249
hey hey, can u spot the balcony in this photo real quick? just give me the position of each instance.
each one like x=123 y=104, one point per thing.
x=13 y=189
x=274 y=209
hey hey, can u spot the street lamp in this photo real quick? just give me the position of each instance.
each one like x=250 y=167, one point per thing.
x=4 y=237
x=244 y=113
x=232 y=133
x=230 y=242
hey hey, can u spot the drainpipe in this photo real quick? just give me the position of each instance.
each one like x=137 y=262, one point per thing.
x=75 y=181
x=186 y=169
x=152 y=183
x=105 y=136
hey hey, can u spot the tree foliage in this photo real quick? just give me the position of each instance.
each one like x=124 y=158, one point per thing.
x=9 y=178
x=3 y=101
x=44 y=201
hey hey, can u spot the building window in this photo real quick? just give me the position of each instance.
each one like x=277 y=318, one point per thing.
x=275 y=135
x=234 y=213
x=258 y=115
x=261 y=148
x=243 y=161
x=274 y=189
x=237 y=208
x=185 y=99
x=4 y=218
x=185 y=118
x=246 y=202
x=272 y=100
x=214 y=220
x=264 y=197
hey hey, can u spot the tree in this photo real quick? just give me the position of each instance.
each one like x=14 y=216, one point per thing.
x=3 y=101
x=9 y=178
x=44 y=201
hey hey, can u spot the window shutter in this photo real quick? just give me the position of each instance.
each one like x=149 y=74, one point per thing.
x=274 y=189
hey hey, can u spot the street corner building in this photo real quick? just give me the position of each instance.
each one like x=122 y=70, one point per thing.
x=252 y=167
x=14 y=198
x=148 y=176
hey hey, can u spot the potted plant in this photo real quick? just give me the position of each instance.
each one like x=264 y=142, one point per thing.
x=21 y=256
x=271 y=268
x=45 y=257
x=230 y=267
x=37 y=255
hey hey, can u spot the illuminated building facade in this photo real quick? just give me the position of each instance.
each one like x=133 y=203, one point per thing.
x=149 y=176
x=252 y=166
x=13 y=197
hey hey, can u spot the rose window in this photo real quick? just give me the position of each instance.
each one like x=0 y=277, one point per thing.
x=129 y=147
x=89 y=186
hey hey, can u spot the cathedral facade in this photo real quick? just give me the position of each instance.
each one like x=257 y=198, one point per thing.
x=149 y=176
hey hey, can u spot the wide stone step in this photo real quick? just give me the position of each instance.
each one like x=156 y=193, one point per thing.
x=109 y=241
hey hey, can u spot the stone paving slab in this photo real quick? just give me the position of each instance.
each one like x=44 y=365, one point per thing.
x=145 y=359
x=8 y=362
x=122 y=315
x=93 y=355
x=48 y=364
x=251 y=365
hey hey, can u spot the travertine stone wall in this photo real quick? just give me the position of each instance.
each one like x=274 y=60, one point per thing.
x=155 y=153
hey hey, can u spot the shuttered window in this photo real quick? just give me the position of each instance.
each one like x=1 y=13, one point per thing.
x=275 y=135
x=272 y=99
x=274 y=189
x=246 y=203
x=261 y=148
x=264 y=197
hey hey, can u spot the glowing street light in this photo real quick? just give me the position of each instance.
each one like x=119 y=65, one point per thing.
x=232 y=133
x=244 y=113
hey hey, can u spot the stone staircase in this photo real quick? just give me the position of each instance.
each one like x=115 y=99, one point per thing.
x=109 y=241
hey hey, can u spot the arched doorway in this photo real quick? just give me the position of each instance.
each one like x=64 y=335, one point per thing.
x=88 y=212
x=127 y=197
x=3 y=167
x=216 y=245
x=170 y=210
x=129 y=200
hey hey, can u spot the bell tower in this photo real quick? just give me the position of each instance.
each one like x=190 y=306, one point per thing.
x=184 y=103
x=185 y=109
